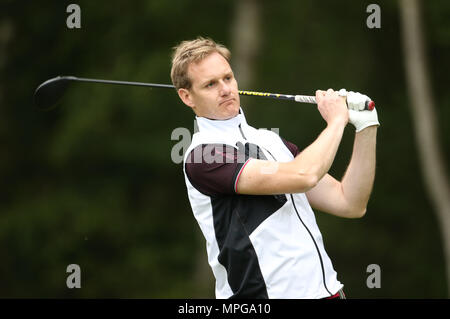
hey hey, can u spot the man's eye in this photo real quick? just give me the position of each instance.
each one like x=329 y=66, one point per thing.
x=210 y=84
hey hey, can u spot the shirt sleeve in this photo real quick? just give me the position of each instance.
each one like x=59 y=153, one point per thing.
x=214 y=169
x=292 y=147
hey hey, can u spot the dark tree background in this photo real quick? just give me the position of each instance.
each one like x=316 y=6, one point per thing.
x=93 y=183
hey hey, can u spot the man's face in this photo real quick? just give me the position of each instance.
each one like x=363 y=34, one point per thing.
x=214 y=91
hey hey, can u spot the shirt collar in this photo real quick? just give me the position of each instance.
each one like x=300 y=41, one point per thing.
x=205 y=124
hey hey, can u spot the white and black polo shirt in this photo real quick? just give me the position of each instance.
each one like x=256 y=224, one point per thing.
x=258 y=246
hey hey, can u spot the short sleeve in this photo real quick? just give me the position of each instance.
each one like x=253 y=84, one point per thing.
x=213 y=169
x=292 y=147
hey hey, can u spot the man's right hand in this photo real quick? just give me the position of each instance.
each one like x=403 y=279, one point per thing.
x=332 y=107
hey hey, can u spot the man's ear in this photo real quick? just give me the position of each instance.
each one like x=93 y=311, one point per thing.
x=185 y=96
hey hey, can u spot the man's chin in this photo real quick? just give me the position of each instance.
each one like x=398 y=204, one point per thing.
x=225 y=112
x=232 y=111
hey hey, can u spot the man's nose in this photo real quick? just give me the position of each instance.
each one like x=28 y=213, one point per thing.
x=225 y=88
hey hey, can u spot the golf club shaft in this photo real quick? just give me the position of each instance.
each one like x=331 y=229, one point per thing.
x=156 y=85
x=48 y=93
x=296 y=98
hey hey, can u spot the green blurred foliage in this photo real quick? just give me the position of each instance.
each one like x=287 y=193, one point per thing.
x=93 y=183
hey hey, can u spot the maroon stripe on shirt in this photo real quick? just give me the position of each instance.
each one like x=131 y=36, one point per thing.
x=214 y=169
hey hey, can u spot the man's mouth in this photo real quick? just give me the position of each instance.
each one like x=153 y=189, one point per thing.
x=226 y=101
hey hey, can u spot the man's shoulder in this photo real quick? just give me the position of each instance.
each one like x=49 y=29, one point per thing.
x=202 y=139
x=211 y=153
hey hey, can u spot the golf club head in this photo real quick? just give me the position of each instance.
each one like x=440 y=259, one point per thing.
x=49 y=93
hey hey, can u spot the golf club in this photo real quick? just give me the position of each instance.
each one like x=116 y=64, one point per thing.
x=50 y=92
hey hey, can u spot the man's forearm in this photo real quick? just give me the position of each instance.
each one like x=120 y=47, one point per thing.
x=317 y=158
x=358 y=180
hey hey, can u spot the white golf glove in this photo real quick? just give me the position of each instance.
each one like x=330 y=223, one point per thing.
x=358 y=116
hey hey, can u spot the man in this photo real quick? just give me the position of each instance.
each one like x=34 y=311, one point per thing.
x=252 y=191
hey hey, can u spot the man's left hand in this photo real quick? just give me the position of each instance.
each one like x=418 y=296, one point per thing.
x=358 y=116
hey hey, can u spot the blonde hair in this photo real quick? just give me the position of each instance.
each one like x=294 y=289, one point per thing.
x=191 y=51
